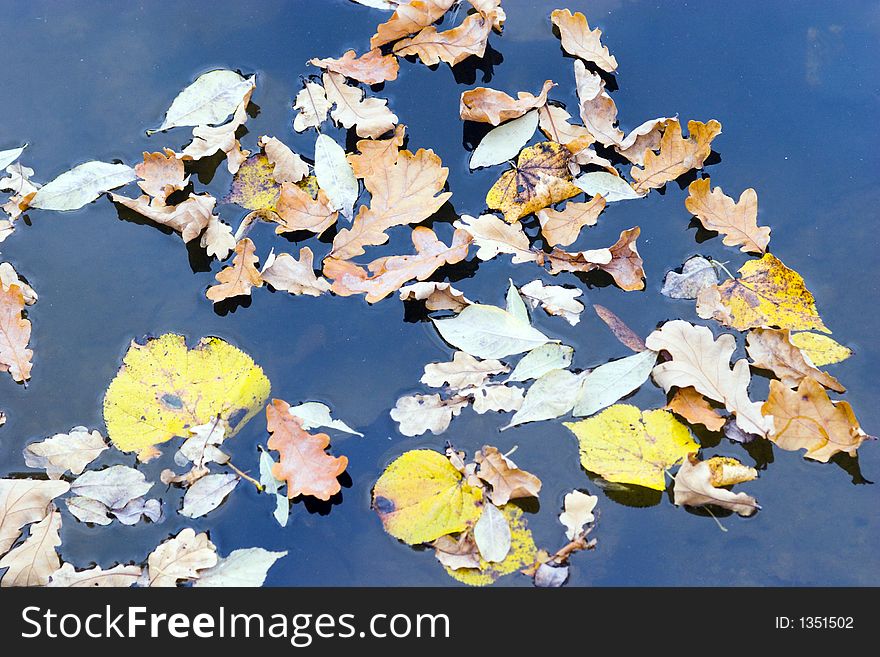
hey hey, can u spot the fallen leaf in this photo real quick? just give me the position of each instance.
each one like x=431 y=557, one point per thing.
x=547 y=576
x=314 y=414
x=287 y=166
x=597 y=108
x=71 y=451
x=132 y=512
x=376 y=155
x=701 y=362
x=34 y=561
x=23 y=191
x=237 y=279
x=9 y=156
x=677 y=156
x=15 y=333
x=607 y=185
x=539 y=179
x=693 y=407
x=313 y=107
x=767 y=293
x=580 y=41
x=388 y=274
x=772 y=349
x=541 y=360
x=81 y=185
x=217 y=240
x=9 y=277
x=164 y=389
x=450 y=46
x=504 y=142
x=180 y=558
x=820 y=349
x=491 y=9
x=409 y=18
x=437 y=296
x=208 y=140
x=418 y=414
x=494 y=236
x=611 y=382
x=577 y=512
x=563 y=228
x=808 y=419
x=207 y=494
x=335 y=175
x=203 y=446
x=484 y=105
x=554 y=123
x=629 y=446
x=737 y=435
x=114 y=487
x=116 y=577
x=508 y=482
x=271 y=486
x=407 y=192
x=555 y=300
x=621 y=261
x=492 y=534
x=489 y=332
x=552 y=395
x=287 y=274
x=515 y=304
x=161 y=174
x=304 y=463
x=737 y=221
x=242 y=568
x=626 y=336
x=457 y=553
x=420 y=497
x=207 y=101
x=696 y=486
x=495 y=397
x=642 y=139
x=23 y=501
x=370 y=117
x=463 y=371
x=370 y=68
x=296 y=210
x=696 y=274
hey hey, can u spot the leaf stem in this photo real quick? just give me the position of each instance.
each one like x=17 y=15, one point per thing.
x=245 y=476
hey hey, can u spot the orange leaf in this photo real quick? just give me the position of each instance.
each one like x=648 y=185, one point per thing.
x=738 y=222
x=161 y=175
x=408 y=19
x=622 y=261
x=304 y=465
x=618 y=327
x=578 y=40
x=370 y=68
x=693 y=407
x=297 y=210
x=485 y=105
x=451 y=46
x=562 y=228
x=15 y=332
x=238 y=279
x=376 y=155
x=677 y=155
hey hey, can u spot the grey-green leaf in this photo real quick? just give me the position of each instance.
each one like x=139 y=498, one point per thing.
x=504 y=142
x=335 y=175
x=207 y=101
x=492 y=534
x=207 y=494
x=489 y=332
x=696 y=273
x=551 y=396
x=611 y=187
x=81 y=185
x=515 y=304
x=608 y=383
x=541 y=360
x=271 y=485
x=10 y=156
x=246 y=567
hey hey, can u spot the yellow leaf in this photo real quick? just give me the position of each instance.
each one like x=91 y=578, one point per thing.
x=630 y=446
x=163 y=389
x=540 y=178
x=767 y=293
x=821 y=349
x=421 y=497
x=254 y=186
x=523 y=552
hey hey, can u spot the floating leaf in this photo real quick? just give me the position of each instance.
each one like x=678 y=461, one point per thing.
x=693 y=407
x=7 y=157
x=697 y=484
x=820 y=349
x=34 y=561
x=577 y=512
x=207 y=101
x=296 y=210
x=580 y=41
x=626 y=336
x=609 y=186
x=555 y=300
x=621 y=261
x=437 y=296
x=370 y=68
x=15 y=333
x=612 y=381
x=551 y=396
x=463 y=371
x=180 y=557
x=696 y=274
x=541 y=360
x=738 y=222
x=81 y=185
x=271 y=486
x=457 y=553
x=286 y=273
x=238 y=279
x=626 y=445
x=772 y=349
x=677 y=155
x=450 y=46
x=243 y=568
x=164 y=389
x=315 y=414
x=418 y=414
x=505 y=141
x=334 y=175
x=563 y=228
x=421 y=497
x=370 y=117
x=161 y=174
x=508 y=482
x=489 y=332
x=207 y=494
x=492 y=534
x=116 y=577
x=375 y=155
x=65 y=451
x=494 y=236
x=23 y=501
x=514 y=303
x=313 y=107
x=208 y=140
x=408 y=18
x=484 y=105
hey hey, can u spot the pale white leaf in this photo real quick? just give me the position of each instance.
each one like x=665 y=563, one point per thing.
x=601 y=183
x=548 y=576
x=489 y=332
x=335 y=175
x=81 y=185
x=463 y=371
x=504 y=142
x=555 y=300
x=315 y=414
x=577 y=512
x=207 y=494
x=207 y=101
x=541 y=360
x=271 y=485
x=551 y=396
x=10 y=156
x=118 y=577
x=65 y=451
x=515 y=304
x=696 y=273
x=492 y=534
x=114 y=487
x=247 y=567
x=417 y=414
x=612 y=381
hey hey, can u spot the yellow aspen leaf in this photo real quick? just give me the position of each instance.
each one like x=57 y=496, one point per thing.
x=541 y=178
x=629 y=446
x=370 y=117
x=767 y=293
x=561 y=228
x=737 y=221
x=485 y=105
x=726 y=471
x=820 y=349
x=523 y=552
x=388 y=274
x=693 y=407
x=409 y=18
x=376 y=155
x=254 y=186
x=161 y=174
x=677 y=155
x=772 y=349
x=15 y=333
x=580 y=41
x=164 y=389
x=421 y=496
x=808 y=419
x=370 y=68
x=450 y=46
x=237 y=279
x=296 y=209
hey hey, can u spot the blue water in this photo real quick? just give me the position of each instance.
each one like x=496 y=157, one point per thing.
x=795 y=86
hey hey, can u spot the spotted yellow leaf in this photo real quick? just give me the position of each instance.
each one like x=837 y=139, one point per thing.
x=821 y=349
x=255 y=188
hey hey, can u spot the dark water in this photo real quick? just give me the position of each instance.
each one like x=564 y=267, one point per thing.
x=795 y=87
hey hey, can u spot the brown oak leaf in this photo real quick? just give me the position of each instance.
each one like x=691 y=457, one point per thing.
x=677 y=155
x=237 y=279
x=580 y=41
x=508 y=482
x=737 y=221
x=161 y=175
x=485 y=105
x=772 y=349
x=370 y=68
x=284 y=272
x=376 y=155
x=561 y=228
x=370 y=117
x=409 y=18
x=15 y=333
x=297 y=210
x=450 y=46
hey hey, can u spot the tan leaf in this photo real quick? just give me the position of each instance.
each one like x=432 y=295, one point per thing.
x=417 y=414
x=554 y=123
x=286 y=273
x=694 y=486
x=32 y=562
x=772 y=349
x=508 y=482
x=701 y=362
x=437 y=296
x=597 y=108
x=457 y=553
x=561 y=228
x=618 y=327
x=15 y=332
x=495 y=397
x=641 y=139
x=693 y=407
x=369 y=116
x=376 y=155
x=485 y=105
x=189 y=217
x=297 y=210
x=808 y=419
x=370 y=68
x=450 y=46
x=65 y=451
x=463 y=371
x=494 y=236
x=409 y=18
x=580 y=41
x=208 y=140
x=23 y=501
x=180 y=557
x=388 y=274
x=217 y=240
x=161 y=175
x=738 y=222
x=313 y=107
x=119 y=576
x=407 y=192
x=288 y=167
x=677 y=155
x=492 y=9
x=238 y=279
x=621 y=260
